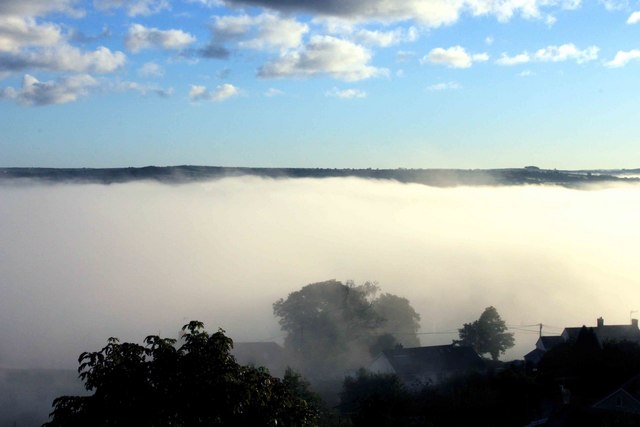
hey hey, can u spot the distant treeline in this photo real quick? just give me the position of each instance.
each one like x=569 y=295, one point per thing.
x=432 y=177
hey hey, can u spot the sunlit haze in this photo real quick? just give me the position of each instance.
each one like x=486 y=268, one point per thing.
x=83 y=262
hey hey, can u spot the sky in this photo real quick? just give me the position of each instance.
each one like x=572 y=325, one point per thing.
x=309 y=83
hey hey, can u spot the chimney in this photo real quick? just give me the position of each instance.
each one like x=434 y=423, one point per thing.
x=600 y=322
x=634 y=323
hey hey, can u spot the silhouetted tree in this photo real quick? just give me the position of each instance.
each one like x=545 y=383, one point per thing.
x=488 y=334
x=400 y=319
x=334 y=325
x=299 y=387
x=197 y=384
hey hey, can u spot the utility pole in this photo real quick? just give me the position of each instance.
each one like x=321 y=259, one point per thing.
x=540 y=324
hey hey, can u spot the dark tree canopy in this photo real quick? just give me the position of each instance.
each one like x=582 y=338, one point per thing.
x=331 y=324
x=401 y=320
x=488 y=334
x=374 y=399
x=197 y=384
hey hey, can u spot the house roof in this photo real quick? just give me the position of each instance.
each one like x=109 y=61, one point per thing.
x=549 y=342
x=633 y=386
x=629 y=391
x=440 y=358
x=534 y=356
x=607 y=333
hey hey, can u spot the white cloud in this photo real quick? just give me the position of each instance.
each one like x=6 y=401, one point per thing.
x=265 y=31
x=207 y=3
x=565 y=52
x=134 y=7
x=32 y=8
x=431 y=13
x=526 y=73
x=634 y=18
x=19 y=32
x=488 y=40
x=151 y=69
x=345 y=93
x=480 y=57
x=220 y=93
x=231 y=27
x=550 y=20
x=335 y=25
x=453 y=57
x=611 y=5
x=560 y=53
x=143 y=89
x=405 y=55
x=197 y=92
x=438 y=87
x=521 y=58
x=61 y=91
x=140 y=37
x=386 y=38
x=271 y=92
x=622 y=58
x=64 y=57
x=324 y=55
x=275 y=32
x=530 y=9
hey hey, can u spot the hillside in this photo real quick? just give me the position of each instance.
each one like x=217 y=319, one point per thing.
x=432 y=177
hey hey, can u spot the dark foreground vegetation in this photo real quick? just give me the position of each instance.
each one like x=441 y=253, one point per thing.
x=576 y=384
x=197 y=382
x=433 y=177
x=346 y=344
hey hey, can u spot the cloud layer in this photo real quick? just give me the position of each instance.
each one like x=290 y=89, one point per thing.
x=87 y=262
x=347 y=40
x=432 y=13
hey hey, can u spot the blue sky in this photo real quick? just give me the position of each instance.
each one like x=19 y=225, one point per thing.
x=310 y=83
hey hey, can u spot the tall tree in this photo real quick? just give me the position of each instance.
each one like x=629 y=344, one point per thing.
x=400 y=319
x=331 y=324
x=197 y=384
x=488 y=334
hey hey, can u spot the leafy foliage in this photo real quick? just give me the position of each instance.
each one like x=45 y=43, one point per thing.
x=334 y=325
x=488 y=334
x=197 y=384
x=374 y=399
x=401 y=320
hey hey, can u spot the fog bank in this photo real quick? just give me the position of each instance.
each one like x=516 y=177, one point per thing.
x=81 y=263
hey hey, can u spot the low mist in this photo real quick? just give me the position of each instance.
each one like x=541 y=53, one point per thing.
x=80 y=263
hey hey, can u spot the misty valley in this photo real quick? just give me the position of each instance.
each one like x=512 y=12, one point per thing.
x=195 y=296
